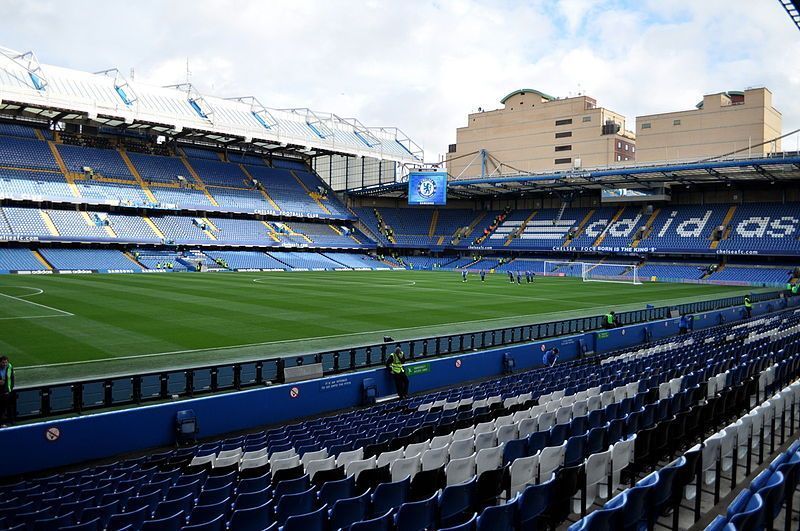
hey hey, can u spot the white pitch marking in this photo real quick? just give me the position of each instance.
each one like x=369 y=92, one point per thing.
x=403 y=283
x=36 y=290
x=62 y=312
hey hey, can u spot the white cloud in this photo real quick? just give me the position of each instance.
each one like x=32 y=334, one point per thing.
x=422 y=66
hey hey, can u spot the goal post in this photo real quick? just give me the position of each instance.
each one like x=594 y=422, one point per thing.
x=620 y=273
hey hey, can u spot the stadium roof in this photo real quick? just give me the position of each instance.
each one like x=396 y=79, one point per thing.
x=792 y=7
x=107 y=98
x=772 y=169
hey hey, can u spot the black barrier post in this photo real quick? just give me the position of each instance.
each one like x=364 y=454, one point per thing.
x=336 y=361
x=214 y=379
x=163 y=389
x=77 y=397
x=472 y=341
x=137 y=389
x=108 y=397
x=237 y=376
x=189 y=383
x=259 y=372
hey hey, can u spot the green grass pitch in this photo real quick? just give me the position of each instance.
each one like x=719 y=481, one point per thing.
x=61 y=327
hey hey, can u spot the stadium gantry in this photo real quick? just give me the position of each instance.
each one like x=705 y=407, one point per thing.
x=684 y=392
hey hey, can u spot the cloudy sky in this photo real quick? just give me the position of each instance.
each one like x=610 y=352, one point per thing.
x=422 y=66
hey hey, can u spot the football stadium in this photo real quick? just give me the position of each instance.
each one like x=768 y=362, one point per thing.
x=220 y=314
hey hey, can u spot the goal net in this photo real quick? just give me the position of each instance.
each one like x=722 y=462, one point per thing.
x=561 y=269
x=625 y=273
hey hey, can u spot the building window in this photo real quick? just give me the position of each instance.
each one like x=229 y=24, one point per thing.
x=564 y=134
x=587 y=118
x=565 y=121
x=567 y=147
x=633 y=149
x=563 y=161
x=676 y=122
x=626 y=147
x=619 y=158
x=619 y=145
x=646 y=125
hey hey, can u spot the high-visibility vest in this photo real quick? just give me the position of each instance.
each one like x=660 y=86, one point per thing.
x=609 y=318
x=795 y=288
x=396 y=365
x=747 y=303
x=9 y=378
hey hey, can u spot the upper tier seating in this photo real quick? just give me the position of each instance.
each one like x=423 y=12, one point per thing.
x=72 y=223
x=158 y=169
x=199 y=153
x=33 y=183
x=284 y=189
x=770 y=227
x=685 y=227
x=26 y=153
x=106 y=162
x=18 y=130
x=25 y=221
x=218 y=173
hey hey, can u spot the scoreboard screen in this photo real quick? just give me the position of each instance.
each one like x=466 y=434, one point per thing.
x=427 y=188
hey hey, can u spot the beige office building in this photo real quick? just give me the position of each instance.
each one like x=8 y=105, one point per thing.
x=534 y=132
x=722 y=123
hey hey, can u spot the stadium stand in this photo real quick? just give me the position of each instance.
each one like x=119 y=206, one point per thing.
x=19 y=260
x=511 y=452
x=246 y=260
x=306 y=261
x=25 y=153
x=103 y=162
x=88 y=259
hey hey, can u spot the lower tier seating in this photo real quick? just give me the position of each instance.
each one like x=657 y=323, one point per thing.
x=525 y=451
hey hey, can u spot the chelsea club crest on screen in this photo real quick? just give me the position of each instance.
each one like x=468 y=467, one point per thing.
x=426 y=188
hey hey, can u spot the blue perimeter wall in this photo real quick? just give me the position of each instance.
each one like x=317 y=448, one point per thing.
x=104 y=435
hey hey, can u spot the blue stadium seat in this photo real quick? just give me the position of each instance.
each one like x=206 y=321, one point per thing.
x=332 y=491
x=390 y=495
x=498 y=517
x=313 y=521
x=295 y=504
x=217 y=524
x=252 y=518
x=384 y=522
x=532 y=504
x=346 y=511
x=206 y=513
x=412 y=516
x=456 y=501
x=90 y=525
x=134 y=518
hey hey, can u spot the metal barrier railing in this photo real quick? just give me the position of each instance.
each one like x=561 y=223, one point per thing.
x=38 y=402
